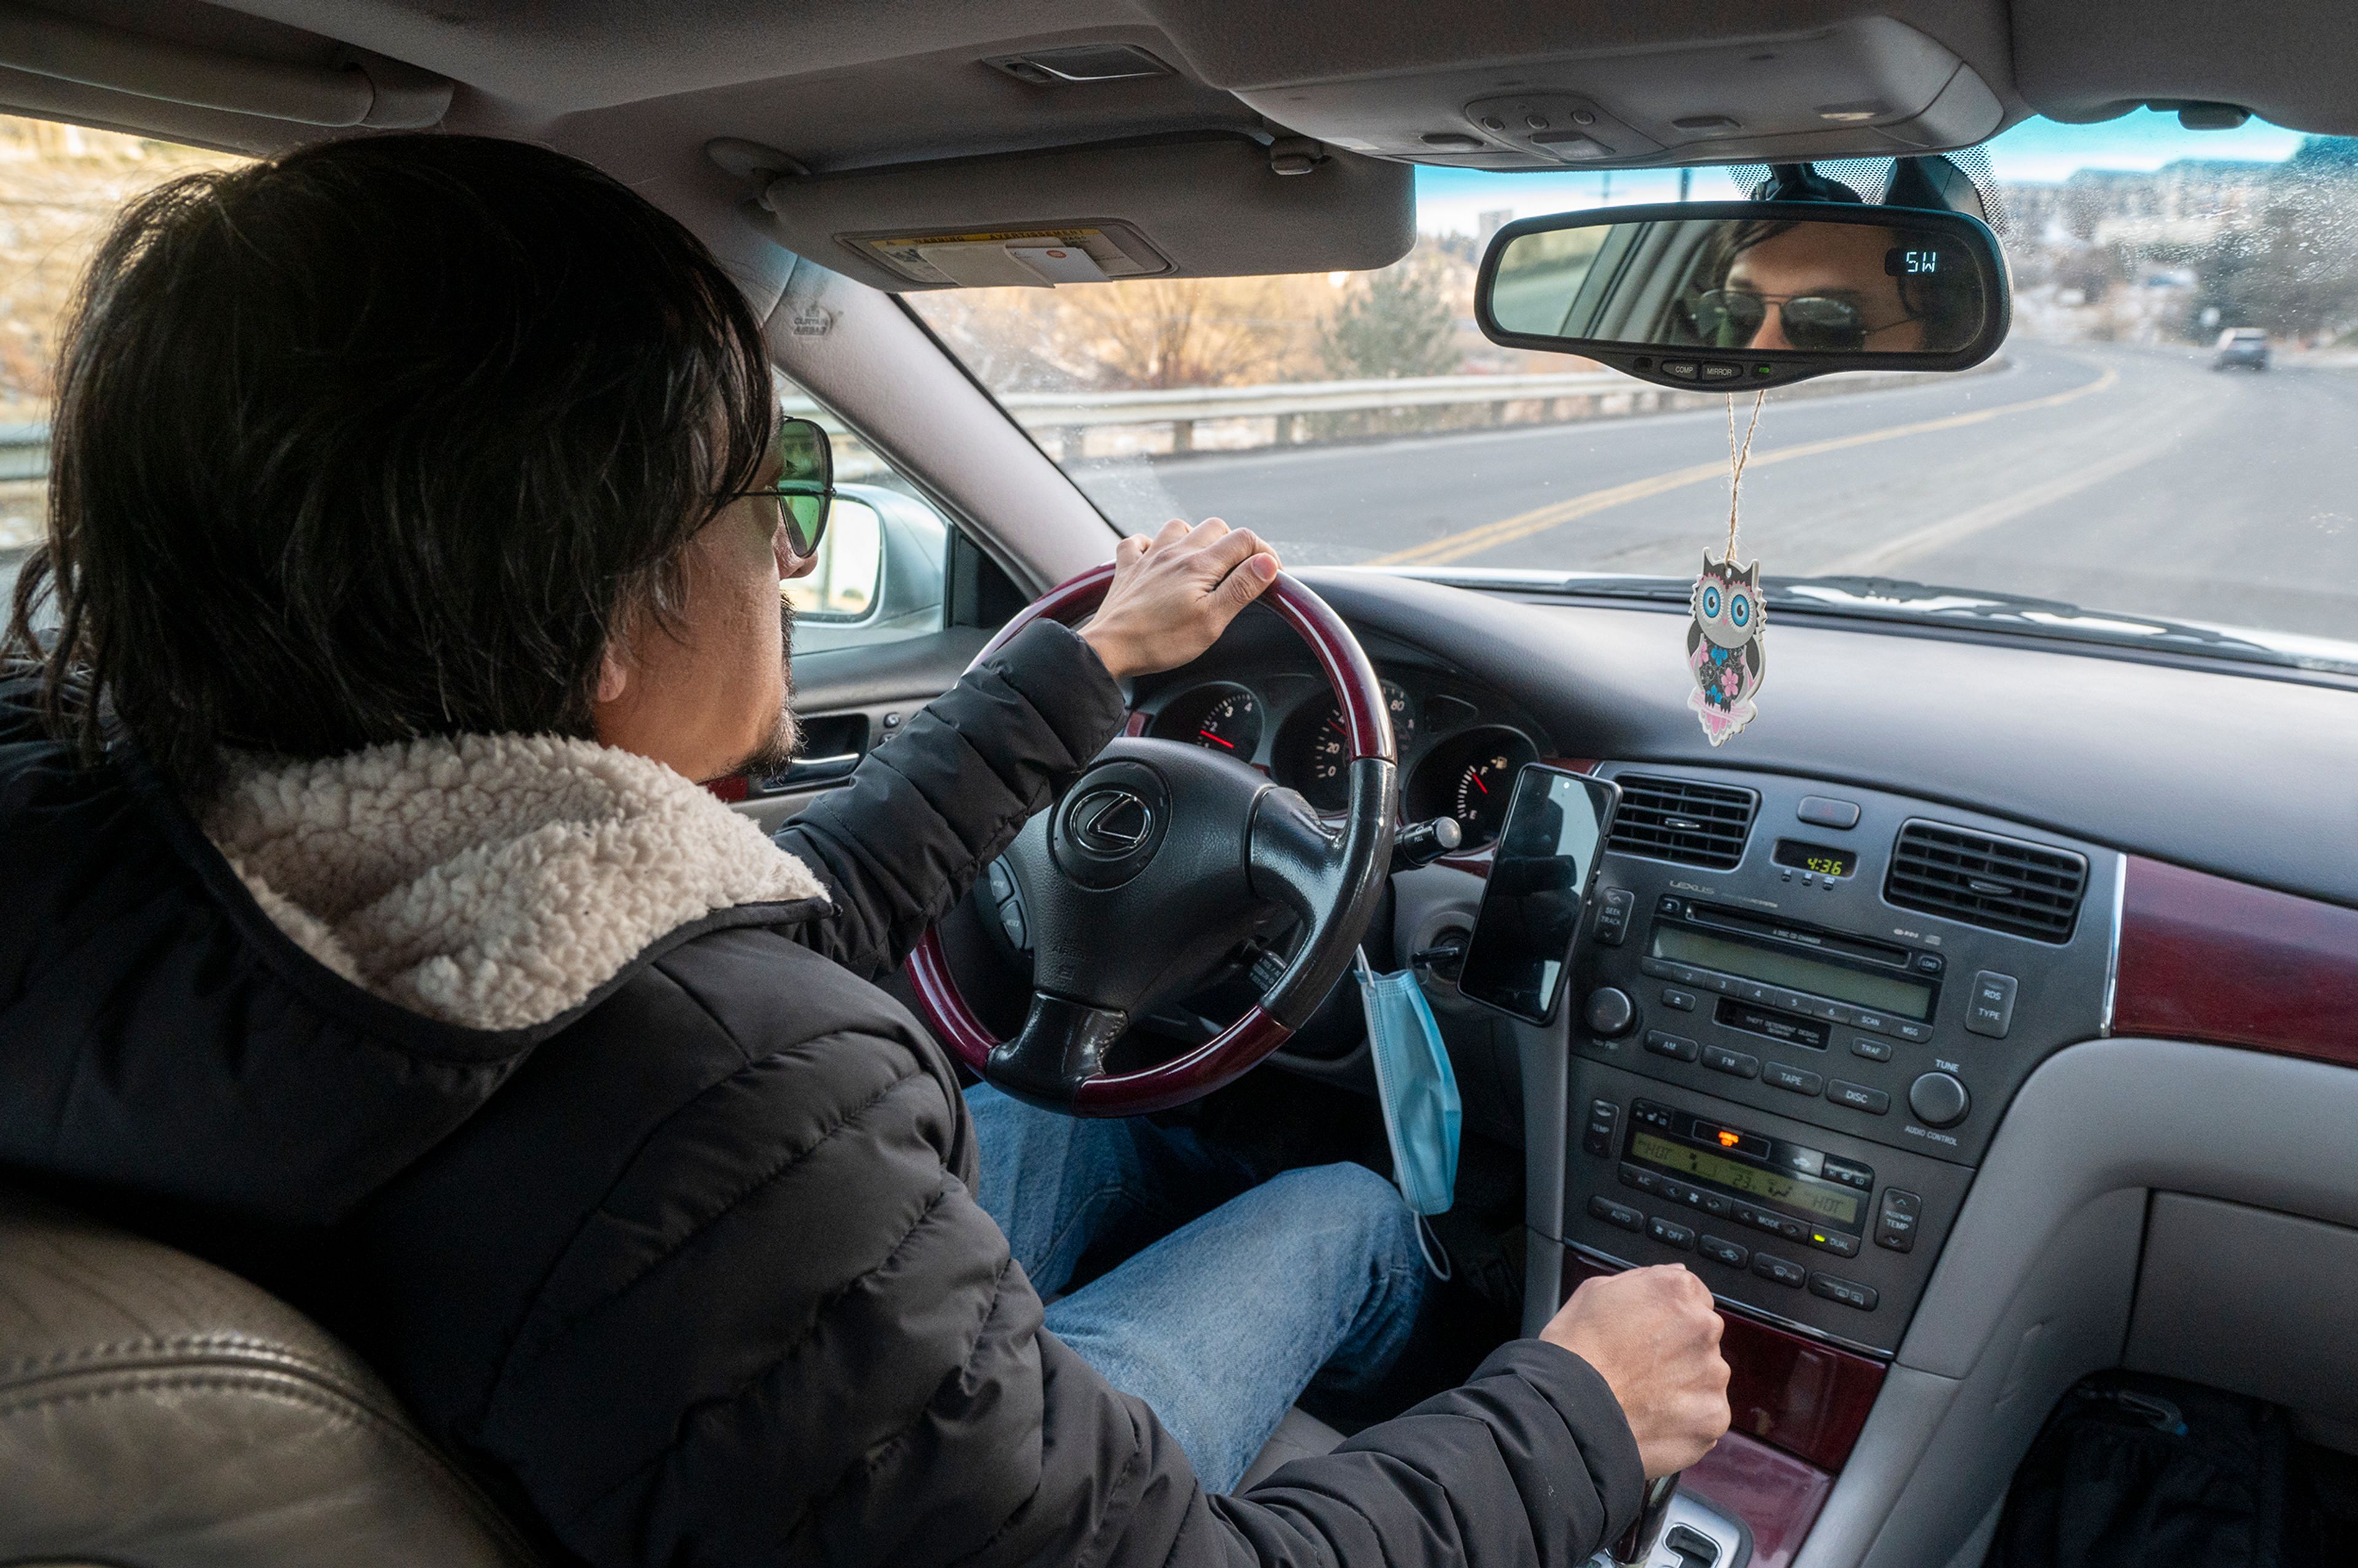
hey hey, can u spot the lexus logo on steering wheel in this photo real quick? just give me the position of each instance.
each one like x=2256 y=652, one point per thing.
x=1112 y=821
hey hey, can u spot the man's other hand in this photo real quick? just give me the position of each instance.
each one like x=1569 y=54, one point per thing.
x=1171 y=596
x=1652 y=1335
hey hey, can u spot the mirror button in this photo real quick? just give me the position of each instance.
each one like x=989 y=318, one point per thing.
x=1722 y=373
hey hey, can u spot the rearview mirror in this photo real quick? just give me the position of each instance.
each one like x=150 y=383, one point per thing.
x=1726 y=294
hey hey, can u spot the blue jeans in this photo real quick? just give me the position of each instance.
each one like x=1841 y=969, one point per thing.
x=1233 y=1295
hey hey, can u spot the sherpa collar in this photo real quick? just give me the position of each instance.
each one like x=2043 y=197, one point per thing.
x=489 y=881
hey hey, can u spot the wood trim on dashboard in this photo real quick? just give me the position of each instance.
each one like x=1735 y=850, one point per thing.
x=2205 y=958
x=1787 y=1390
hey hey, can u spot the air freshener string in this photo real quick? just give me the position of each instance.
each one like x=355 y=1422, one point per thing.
x=1736 y=461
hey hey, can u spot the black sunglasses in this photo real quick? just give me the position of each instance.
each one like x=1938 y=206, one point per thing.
x=1728 y=318
x=805 y=488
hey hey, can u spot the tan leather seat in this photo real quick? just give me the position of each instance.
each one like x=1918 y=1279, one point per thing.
x=155 y=1409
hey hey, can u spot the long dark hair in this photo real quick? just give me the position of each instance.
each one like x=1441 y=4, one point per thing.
x=380 y=439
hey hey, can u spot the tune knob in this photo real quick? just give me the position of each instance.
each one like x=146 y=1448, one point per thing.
x=1610 y=1013
x=1939 y=1100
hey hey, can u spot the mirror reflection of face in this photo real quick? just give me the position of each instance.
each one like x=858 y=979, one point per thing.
x=1840 y=262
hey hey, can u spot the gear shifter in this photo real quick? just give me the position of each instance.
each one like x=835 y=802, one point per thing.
x=1636 y=1543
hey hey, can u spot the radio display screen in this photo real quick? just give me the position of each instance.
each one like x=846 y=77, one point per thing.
x=1884 y=993
x=1805 y=1197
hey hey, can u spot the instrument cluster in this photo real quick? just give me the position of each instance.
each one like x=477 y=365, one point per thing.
x=1457 y=754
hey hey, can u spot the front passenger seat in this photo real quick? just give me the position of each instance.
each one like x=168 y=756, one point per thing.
x=159 y=1412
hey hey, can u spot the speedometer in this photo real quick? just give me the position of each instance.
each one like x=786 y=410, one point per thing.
x=1314 y=750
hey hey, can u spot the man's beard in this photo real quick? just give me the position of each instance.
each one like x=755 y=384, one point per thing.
x=773 y=754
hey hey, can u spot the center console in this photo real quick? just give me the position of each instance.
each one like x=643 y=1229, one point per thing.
x=1796 y=1015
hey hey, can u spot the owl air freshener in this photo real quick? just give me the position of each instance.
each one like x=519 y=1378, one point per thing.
x=1725 y=656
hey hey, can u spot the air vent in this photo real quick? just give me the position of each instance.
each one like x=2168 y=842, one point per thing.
x=2026 y=890
x=1678 y=820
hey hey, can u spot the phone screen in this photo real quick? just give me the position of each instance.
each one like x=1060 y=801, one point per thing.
x=1522 y=947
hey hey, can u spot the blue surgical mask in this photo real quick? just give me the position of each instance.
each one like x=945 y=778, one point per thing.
x=1419 y=1091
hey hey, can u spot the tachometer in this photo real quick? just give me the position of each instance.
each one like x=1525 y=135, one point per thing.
x=1221 y=717
x=1232 y=724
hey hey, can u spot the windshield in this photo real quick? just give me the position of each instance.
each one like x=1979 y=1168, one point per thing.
x=2160 y=452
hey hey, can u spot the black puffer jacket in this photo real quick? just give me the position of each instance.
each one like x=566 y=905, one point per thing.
x=692 y=1264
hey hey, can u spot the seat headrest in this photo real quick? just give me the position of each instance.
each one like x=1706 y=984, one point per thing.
x=156 y=1410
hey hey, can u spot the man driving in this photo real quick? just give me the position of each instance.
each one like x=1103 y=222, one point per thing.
x=419 y=511
x=1815 y=285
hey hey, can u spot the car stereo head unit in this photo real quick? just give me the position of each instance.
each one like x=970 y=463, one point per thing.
x=1805 y=972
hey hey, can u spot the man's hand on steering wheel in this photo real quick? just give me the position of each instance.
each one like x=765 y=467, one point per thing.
x=1173 y=595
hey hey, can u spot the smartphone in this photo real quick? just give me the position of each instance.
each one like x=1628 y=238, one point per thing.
x=1521 y=952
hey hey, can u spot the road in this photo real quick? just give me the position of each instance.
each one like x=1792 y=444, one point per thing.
x=2128 y=480
x=2135 y=481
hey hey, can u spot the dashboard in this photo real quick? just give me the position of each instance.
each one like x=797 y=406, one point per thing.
x=1259 y=698
x=1898 y=1021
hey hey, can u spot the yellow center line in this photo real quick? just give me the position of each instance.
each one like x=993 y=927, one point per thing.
x=1522 y=525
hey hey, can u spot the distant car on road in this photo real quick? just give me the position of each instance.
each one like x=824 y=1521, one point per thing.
x=2241 y=346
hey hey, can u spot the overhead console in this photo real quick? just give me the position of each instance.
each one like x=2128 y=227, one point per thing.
x=1798 y=1013
x=1860 y=87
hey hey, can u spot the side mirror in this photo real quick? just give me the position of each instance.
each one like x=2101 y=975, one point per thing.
x=1729 y=294
x=878 y=575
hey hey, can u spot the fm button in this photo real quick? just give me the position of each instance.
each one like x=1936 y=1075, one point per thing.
x=1939 y=1100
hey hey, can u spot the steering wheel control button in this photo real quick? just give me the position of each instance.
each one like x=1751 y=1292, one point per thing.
x=1939 y=1100
x=1895 y=1223
x=1000 y=881
x=1010 y=921
x=1873 y=1050
x=1619 y=1215
x=1684 y=1001
x=1610 y=1014
x=1670 y=1233
x=1824 y=811
x=1603 y=1120
x=1777 y=1272
x=1799 y=1080
x=1734 y=1064
x=1733 y=1254
x=1858 y=1097
x=1862 y=1297
x=1990 y=1011
x=1677 y=1047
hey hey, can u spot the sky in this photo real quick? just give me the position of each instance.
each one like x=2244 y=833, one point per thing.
x=1454 y=199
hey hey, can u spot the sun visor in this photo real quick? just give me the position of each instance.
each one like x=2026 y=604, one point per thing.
x=1214 y=207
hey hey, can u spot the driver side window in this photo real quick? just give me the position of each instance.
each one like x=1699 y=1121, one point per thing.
x=882 y=570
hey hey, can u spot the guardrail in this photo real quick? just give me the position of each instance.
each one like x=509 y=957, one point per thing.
x=24 y=451
x=1061 y=421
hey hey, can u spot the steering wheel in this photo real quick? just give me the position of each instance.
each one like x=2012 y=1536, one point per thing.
x=1152 y=865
